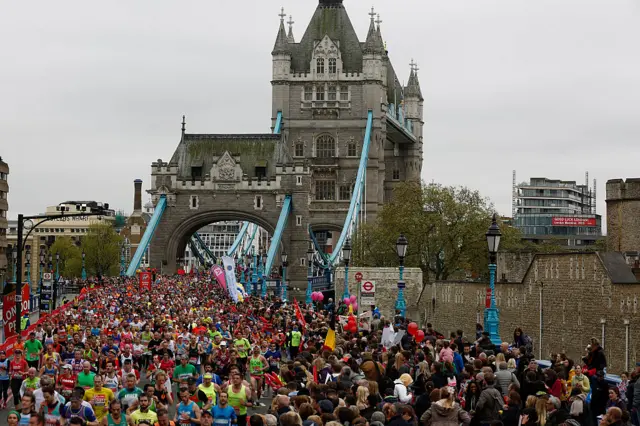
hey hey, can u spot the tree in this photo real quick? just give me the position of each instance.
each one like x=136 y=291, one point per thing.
x=445 y=227
x=102 y=249
x=69 y=255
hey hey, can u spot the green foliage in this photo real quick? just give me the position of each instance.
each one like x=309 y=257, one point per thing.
x=121 y=219
x=102 y=249
x=70 y=255
x=445 y=227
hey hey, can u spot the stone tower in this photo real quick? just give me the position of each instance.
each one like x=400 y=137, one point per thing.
x=623 y=214
x=324 y=85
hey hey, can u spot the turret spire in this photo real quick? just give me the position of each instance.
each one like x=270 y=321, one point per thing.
x=373 y=44
x=282 y=42
x=290 y=35
x=413 y=86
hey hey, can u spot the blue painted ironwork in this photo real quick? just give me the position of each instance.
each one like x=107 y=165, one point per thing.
x=253 y=236
x=345 y=294
x=278 y=127
x=284 y=284
x=321 y=283
x=196 y=252
x=148 y=234
x=277 y=235
x=308 y=299
x=491 y=314
x=208 y=255
x=401 y=304
x=238 y=240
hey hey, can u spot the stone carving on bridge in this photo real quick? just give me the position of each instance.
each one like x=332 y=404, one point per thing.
x=226 y=171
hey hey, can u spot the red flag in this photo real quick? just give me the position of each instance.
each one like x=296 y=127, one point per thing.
x=299 y=315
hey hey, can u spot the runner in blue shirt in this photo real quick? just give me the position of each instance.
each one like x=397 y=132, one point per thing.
x=223 y=414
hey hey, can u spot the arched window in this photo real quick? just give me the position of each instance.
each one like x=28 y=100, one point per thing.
x=332 y=65
x=320 y=66
x=325 y=147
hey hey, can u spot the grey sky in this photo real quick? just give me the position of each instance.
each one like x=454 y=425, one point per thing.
x=93 y=92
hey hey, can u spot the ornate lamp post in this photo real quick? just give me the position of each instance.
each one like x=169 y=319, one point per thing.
x=491 y=314
x=254 y=271
x=401 y=250
x=27 y=265
x=57 y=266
x=263 y=275
x=14 y=254
x=54 y=284
x=283 y=258
x=84 y=270
x=41 y=265
x=122 y=260
x=247 y=271
x=346 y=255
x=309 y=274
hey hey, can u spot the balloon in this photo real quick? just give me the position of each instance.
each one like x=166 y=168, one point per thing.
x=353 y=299
x=412 y=328
x=346 y=301
x=320 y=296
x=355 y=306
x=419 y=336
x=314 y=296
x=351 y=309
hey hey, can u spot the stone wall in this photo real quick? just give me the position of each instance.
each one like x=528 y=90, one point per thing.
x=386 y=287
x=513 y=266
x=578 y=302
x=623 y=214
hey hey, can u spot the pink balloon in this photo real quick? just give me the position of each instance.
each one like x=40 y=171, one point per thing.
x=353 y=299
x=355 y=306
x=314 y=296
x=346 y=301
x=320 y=296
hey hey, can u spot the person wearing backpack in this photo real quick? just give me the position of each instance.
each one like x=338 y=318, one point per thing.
x=505 y=378
x=490 y=402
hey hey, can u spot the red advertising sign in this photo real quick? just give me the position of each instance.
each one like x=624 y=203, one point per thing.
x=9 y=310
x=145 y=280
x=487 y=299
x=573 y=221
x=218 y=272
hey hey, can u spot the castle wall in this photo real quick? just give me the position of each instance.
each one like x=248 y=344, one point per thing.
x=623 y=214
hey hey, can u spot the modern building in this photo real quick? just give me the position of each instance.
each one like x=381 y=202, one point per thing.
x=43 y=236
x=4 y=208
x=558 y=211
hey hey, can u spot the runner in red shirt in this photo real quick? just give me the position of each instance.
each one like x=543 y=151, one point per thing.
x=18 y=372
x=66 y=381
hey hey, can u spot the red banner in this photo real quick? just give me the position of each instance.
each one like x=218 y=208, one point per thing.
x=573 y=221
x=218 y=272
x=9 y=310
x=145 y=280
x=487 y=299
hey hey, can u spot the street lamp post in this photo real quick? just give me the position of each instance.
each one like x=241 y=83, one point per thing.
x=57 y=266
x=122 y=260
x=346 y=255
x=264 y=274
x=310 y=253
x=27 y=265
x=254 y=271
x=284 y=275
x=401 y=250
x=15 y=265
x=41 y=265
x=84 y=270
x=247 y=272
x=491 y=314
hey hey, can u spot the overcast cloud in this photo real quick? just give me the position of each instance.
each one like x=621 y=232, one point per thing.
x=93 y=92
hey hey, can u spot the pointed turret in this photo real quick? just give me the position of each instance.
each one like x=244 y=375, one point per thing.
x=413 y=85
x=373 y=44
x=281 y=45
x=290 y=37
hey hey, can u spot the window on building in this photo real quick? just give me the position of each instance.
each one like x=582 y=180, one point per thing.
x=320 y=93
x=325 y=147
x=352 y=150
x=299 y=180
x=320 y=66
x=325 y=190
x=308 y=93
x=299 y=150
x=332 y=93
x=303 y=261
x=396 y=174
x=298 y=220
x=333 y=65
x=196 y=172
x=344 y=93
x=257 y=203
x=345 y=192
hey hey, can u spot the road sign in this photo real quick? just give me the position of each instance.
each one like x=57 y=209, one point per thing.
x=368 y=293
x=47 y=276
x=358 y=276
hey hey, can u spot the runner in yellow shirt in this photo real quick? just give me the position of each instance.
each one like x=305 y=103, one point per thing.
x=99 y=397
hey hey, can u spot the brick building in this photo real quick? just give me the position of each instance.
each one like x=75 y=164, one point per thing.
x=560 y=300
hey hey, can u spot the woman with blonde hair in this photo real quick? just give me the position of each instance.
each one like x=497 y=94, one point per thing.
x=511 y=365
x=362 y=394
x=445 y=412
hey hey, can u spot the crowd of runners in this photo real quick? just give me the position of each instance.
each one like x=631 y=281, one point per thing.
x=184 y=354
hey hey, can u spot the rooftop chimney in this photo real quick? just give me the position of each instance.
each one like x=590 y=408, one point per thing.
x=137 y=196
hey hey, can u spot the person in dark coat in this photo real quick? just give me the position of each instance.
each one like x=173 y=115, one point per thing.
x=599 y=396
x=511 y=413
x=596 y=360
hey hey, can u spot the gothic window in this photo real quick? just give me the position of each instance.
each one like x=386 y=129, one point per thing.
x=320 y=66
x=332 y=65
x=344 y=93
x=345 y=192
x=325 y=190
x=299 y=150
x=396 y=174
x=308 y=93
x=325 y=147
x=332 y=94
x=352 y=150
x=320 y=93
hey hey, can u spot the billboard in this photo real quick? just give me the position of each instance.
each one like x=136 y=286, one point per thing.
x=9 y=310
x=573 y=221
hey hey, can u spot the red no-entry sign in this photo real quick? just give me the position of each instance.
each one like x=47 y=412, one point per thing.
x=358 y=276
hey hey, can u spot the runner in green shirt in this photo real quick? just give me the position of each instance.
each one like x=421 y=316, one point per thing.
x=33 y=349
x=183 y=371
x=86 y=376
x=130 y=393
x=242 y=345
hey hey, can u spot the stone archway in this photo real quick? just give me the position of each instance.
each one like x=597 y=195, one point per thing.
x=186 y=228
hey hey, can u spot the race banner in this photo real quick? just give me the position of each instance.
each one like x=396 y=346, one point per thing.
x=9 y=310
x=230 y=274
x=218 y=273
x=145 y=280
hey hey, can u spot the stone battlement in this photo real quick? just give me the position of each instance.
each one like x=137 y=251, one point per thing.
x=620 y=189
